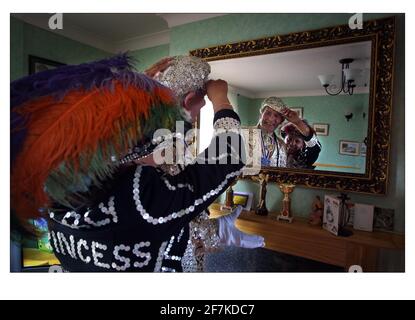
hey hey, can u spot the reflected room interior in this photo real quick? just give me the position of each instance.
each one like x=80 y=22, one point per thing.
x=295 y=77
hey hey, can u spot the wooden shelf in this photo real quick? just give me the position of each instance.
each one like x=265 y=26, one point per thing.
x=301 y=239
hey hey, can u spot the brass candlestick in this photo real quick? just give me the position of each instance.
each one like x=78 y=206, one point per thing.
x=285 y=213
x=262 y=206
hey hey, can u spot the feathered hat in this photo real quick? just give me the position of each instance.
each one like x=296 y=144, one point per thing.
x=69 y=125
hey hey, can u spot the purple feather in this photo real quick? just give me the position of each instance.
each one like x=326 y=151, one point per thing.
x=57 y=82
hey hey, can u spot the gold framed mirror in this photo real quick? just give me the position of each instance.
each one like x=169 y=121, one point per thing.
x=353 y=129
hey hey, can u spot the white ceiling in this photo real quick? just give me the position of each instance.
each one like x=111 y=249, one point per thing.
x=285 y=74
x=117 y=27
x=290 y=73
x=115 y=32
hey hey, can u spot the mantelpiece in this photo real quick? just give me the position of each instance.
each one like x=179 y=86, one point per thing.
x=301 y=239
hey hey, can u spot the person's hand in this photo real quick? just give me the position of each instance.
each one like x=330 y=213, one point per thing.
x=294 y=118
x=229 y=235
x=217 y=92
x=290 y=115
x=158 y=67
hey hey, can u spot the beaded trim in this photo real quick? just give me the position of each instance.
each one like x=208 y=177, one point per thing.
x=178 y=186
x=140 y=254
x=227 y=123
x=146 y=216
x=204 y=236
x=55 y=242
x=312 y=142
x=167 y=251
x=141 y=152
x=160 y=256
x=180 y=235
x=125 y=260
x=189 y=261
x=220 y=157
x=70 y=214
x=205 y=229
x=110 y=210
x=83 y=243
x=96 y=255
x=70 y=248
x=165 y=269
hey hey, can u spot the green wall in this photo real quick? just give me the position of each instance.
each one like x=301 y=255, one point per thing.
x=26 y=40
x=237 y=27
x=147 y=57
x=330 y=110
x=248 y=110
x=17 y=55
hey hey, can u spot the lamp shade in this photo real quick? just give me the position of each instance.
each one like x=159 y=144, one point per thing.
x=352 y=74
x=325 y=78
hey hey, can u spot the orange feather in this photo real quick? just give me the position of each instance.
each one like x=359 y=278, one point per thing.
x=70 y=130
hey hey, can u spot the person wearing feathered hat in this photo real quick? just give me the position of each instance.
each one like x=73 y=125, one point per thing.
x=83 y=149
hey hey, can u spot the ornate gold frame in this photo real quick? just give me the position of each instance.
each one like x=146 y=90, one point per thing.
x=382 y=34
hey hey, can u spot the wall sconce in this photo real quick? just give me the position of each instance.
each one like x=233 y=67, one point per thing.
x=348 y=116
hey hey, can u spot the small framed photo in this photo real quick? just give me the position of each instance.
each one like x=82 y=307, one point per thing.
x=298 y=110
x=350 y=148
x=321 y=129
x=243 y=199
x=363 y=149
x=37 y=64
x=331 y=214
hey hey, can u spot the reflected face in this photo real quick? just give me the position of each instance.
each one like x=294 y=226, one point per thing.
x=270 y=120
x=294 y=144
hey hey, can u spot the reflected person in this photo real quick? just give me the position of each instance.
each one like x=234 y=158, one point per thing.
x=302 y=151
x=273 y=112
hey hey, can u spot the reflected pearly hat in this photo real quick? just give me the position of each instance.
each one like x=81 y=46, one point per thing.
x=274 y=103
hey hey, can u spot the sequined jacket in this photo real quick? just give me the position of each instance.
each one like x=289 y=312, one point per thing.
x=151 y=221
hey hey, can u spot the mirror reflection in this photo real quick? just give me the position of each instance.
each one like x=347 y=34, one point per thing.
x=311 y=105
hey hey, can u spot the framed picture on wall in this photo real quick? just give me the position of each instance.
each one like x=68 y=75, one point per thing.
x=298 y=110
x=321 y=129
x=243 y=199
x=350 y=148
x=37 y=64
